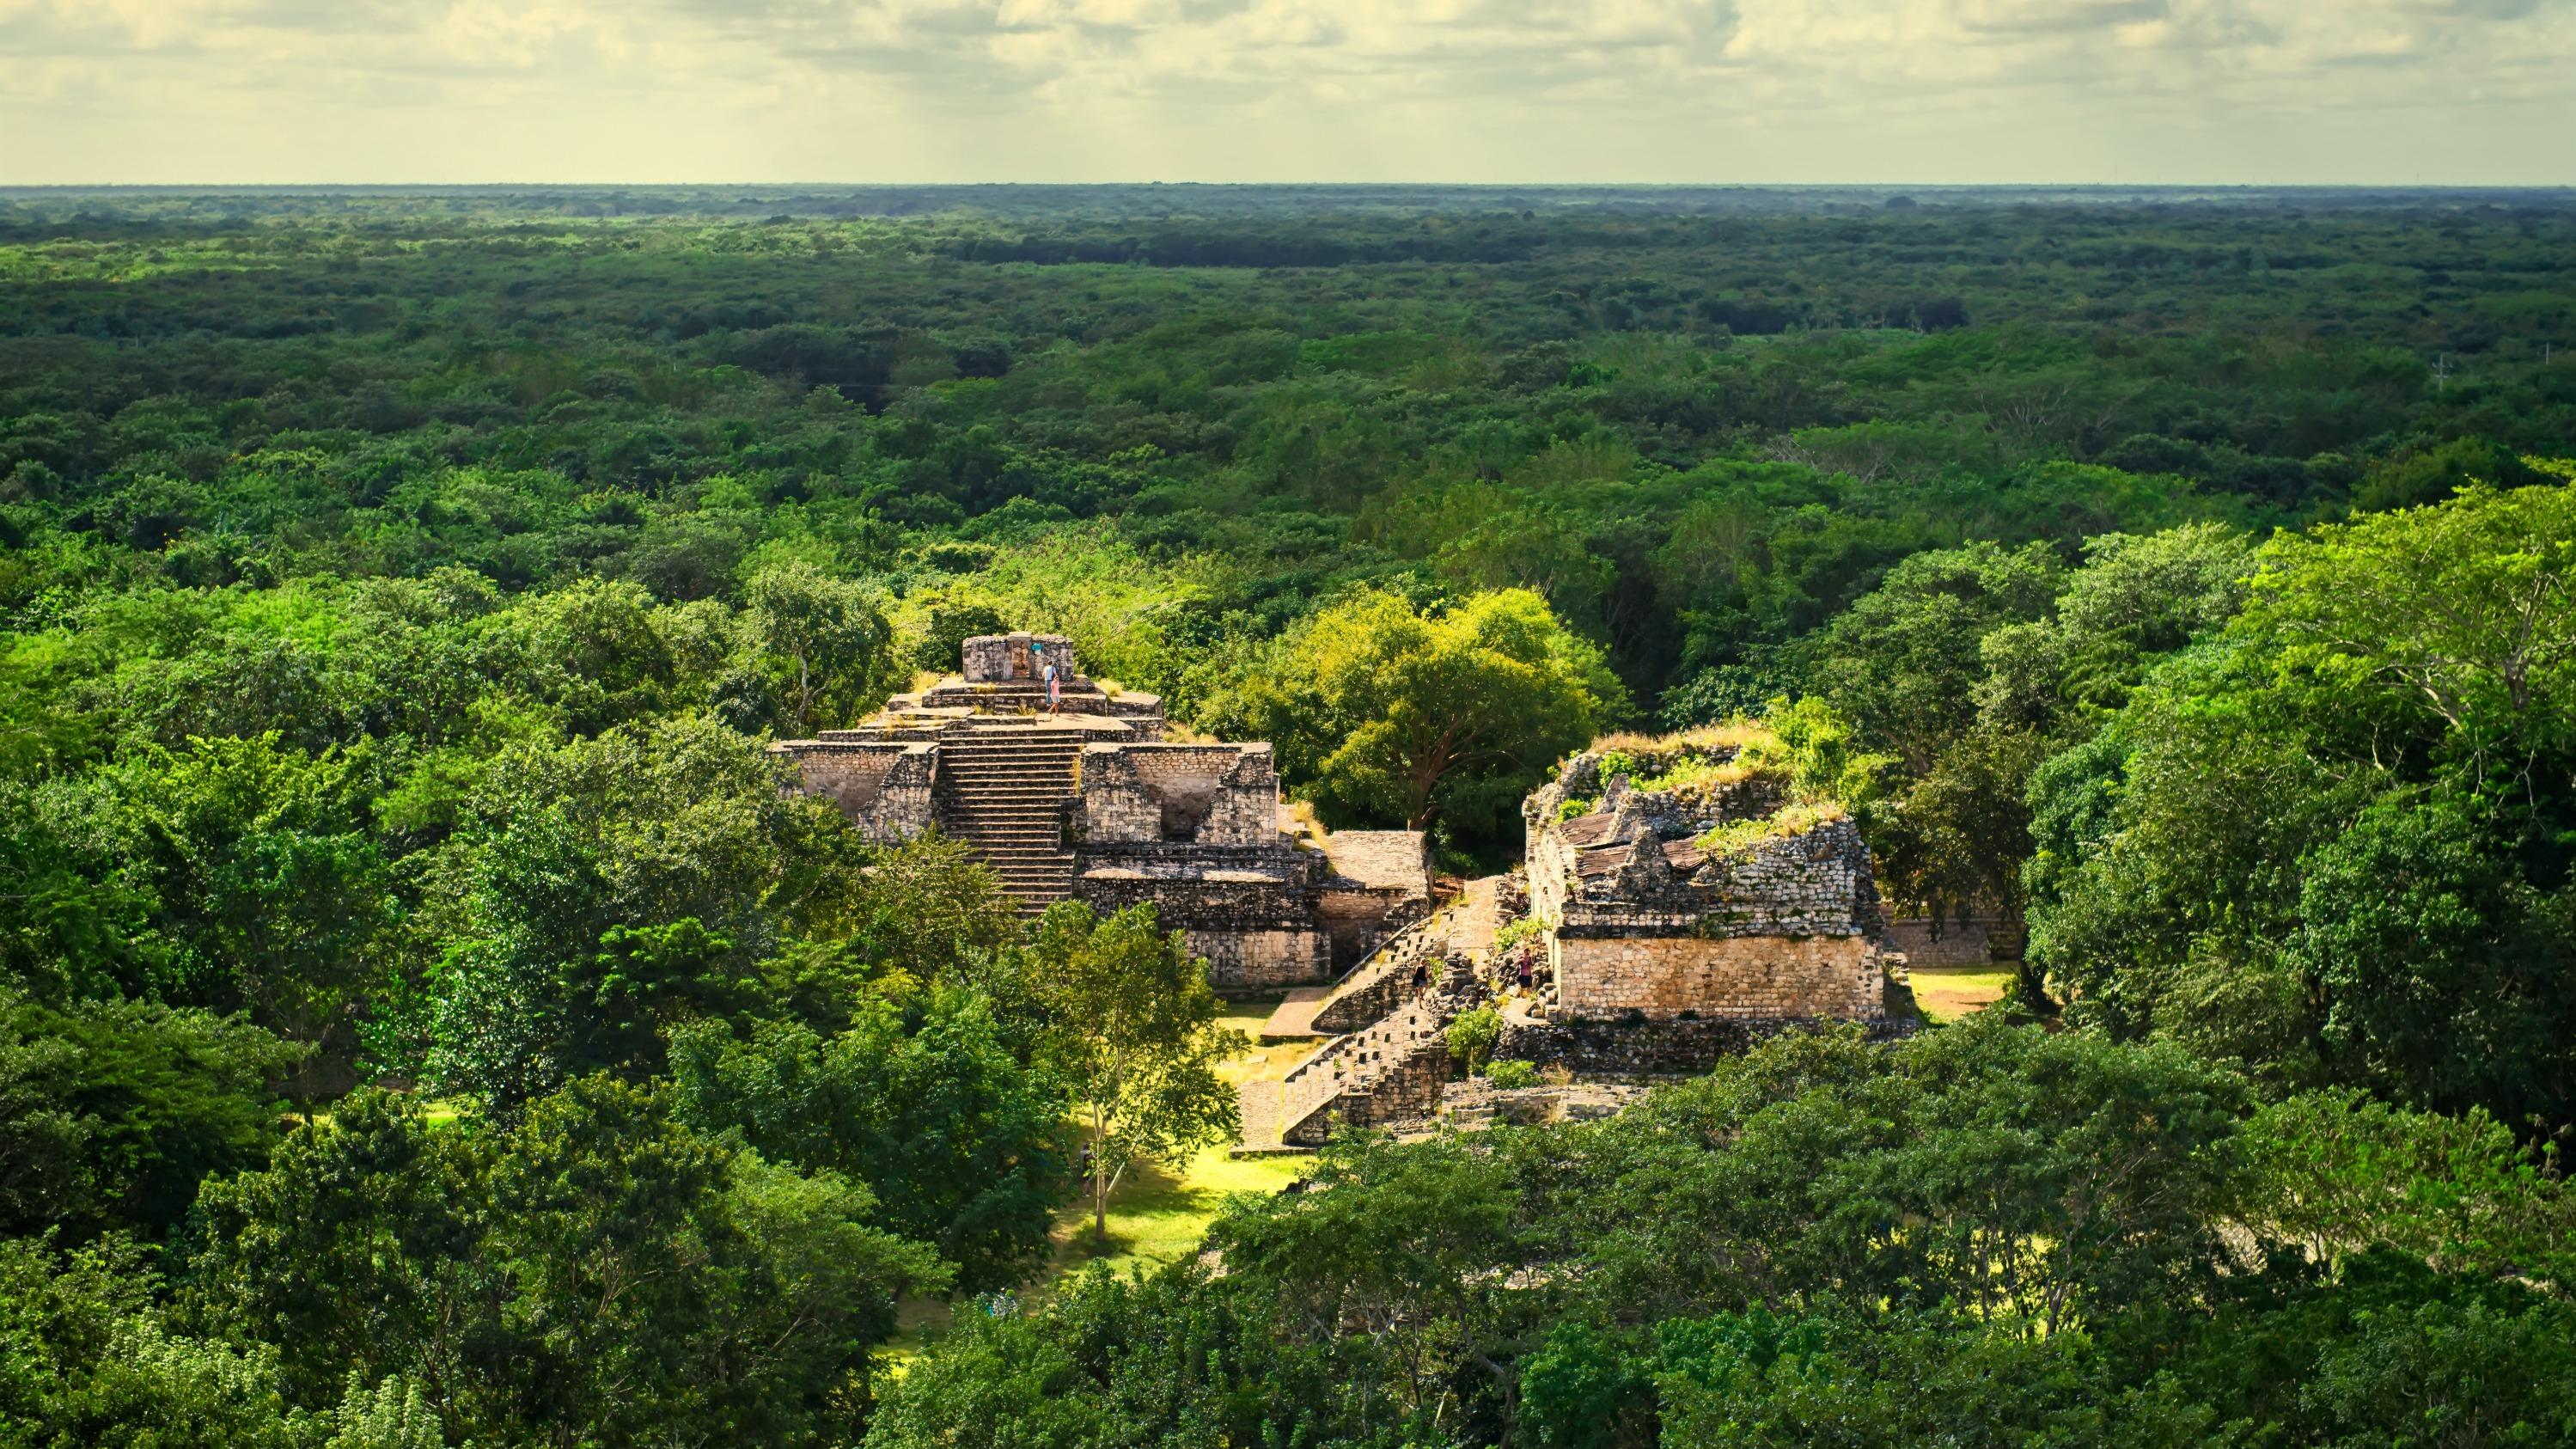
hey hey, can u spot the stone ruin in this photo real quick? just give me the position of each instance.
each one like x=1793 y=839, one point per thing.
x=1087 y=801
x=1660 y=930
x=1639 y=916
x=1664 y=939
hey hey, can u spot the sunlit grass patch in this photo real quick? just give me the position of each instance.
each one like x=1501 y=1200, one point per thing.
x=1158 y=1217
x=1948 y=993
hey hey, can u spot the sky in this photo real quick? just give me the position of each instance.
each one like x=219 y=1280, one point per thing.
x=2272 y=92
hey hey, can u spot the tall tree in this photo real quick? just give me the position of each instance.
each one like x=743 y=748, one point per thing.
x=1395 y=712
x=1135 y=1035
x=825 y=640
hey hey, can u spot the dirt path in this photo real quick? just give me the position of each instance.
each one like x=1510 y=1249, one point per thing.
x=1472 y=920
x=1295 y=1018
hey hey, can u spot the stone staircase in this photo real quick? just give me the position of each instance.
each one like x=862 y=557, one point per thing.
x=1377 y=985
x=1004 y=793
x=1387 y=1072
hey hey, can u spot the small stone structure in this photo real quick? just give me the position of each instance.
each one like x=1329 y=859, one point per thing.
x=1084 y=800
x=1669 y=939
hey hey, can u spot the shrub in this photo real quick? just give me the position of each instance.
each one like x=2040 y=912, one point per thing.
x=1473 y=1035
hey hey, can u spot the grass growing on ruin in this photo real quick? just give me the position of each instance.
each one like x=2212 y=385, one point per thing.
x=1793 y=819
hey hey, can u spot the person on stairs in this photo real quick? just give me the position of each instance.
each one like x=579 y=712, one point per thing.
x=1055 y=692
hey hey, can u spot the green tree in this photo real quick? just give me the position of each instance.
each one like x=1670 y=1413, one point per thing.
x=1135 y=1039
x=963 y=1146
x=1397 y=713
x=85 y=1358
x=825 y=640
x=112 y=1111
x=357 y=1250
x=659 y=1284
x=272 y=896
x=2321 y=843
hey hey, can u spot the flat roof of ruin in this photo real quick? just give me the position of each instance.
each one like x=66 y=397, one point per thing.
x=1378 y=857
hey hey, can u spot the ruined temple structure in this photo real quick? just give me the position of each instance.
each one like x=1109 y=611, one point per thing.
x=1088 y=801
x=1706 y=899
x=1677 y=908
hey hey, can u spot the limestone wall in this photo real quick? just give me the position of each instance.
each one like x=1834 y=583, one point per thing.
x=1214 y=795
x=1758 y=977
x=1258 y=959
x=1256 y=926
x=882 y=786
x=1817 y=881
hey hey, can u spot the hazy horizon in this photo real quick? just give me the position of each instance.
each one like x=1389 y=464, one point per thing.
x=2268 y=93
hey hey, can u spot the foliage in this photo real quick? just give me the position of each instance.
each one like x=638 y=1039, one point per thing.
x=921 y=1102
x=86 y=1359
x=2331 y=842
x=600 y=1264
x=1473 y=1034
x=1399 y=715
x=1987 y=1234
x=112 y=1111
x=1134 y=1038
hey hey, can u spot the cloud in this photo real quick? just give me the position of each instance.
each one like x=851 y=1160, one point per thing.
x=1481 y=89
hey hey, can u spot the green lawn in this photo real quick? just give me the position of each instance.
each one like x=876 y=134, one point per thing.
x=1947 y=993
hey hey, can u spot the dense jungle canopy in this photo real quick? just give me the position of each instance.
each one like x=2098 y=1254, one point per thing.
x=424 y=1020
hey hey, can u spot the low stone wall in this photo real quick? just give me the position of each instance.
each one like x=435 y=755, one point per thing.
x=1978 y=941
x=1240 y=959
x=1761 y=977
x=1477 y=1101
x=1255 y=922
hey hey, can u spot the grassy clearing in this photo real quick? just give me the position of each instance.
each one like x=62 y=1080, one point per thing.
x=1947 y=993
x=1157 y=1215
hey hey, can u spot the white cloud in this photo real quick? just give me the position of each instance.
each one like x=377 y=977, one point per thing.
x=1769 y=90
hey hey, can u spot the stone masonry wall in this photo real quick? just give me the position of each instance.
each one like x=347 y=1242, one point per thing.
x=1257 y=930
x=1758 y=977
x=1002 y=658
x=1259 y=959
x=884 y=788
x=1204 y=794
x=1816 y=881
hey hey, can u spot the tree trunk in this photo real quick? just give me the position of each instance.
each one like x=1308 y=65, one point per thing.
x=1099 y=1178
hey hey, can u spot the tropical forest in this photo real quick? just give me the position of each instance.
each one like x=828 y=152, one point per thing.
x=431 y=1016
